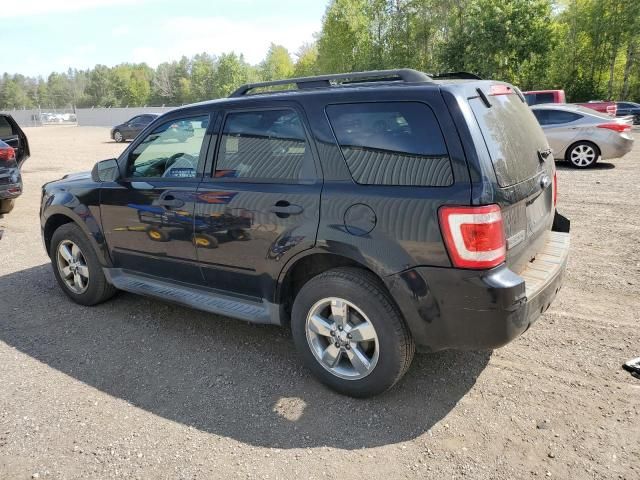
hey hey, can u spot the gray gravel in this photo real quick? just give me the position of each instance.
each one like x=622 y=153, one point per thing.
x=136 y=388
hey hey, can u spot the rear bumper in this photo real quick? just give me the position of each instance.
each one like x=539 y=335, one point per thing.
x=10 y=190
x=463 y=309
x=618 y=148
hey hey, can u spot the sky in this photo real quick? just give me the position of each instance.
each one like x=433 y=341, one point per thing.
x=53 y=35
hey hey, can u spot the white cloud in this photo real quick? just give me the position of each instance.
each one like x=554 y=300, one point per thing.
x=40 y=7
x=216 y=35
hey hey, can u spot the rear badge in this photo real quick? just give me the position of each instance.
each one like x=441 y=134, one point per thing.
x=514 y=240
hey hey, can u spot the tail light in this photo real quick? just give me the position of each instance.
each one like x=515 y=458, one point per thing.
x=615 y=126
x=555 y=188
x=474 y=236
x=500 y=89
x=7 y=153
x=612 y=110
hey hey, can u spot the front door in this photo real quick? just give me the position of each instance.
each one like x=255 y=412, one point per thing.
x=261 y=206
x=147 y=217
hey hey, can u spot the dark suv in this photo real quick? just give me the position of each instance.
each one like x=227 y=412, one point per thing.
x=371 y=212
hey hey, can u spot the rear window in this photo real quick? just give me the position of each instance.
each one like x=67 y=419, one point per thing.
x=5 y=127
x=512 y=135
x=538 y=98
x=391 y=143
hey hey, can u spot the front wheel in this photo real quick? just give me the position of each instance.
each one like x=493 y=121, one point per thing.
x=350 y=334
x=76 y=267
x=583 y=154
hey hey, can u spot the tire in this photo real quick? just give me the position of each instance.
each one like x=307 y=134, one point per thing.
x=388 y=353
x=156 y=234
x=118 y=137
x=203 y=240
x=239 y=234
x=96 y=288
x=6 y=205
x=582 y=154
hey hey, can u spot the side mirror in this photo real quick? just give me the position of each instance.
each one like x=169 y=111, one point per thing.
x=106 y=171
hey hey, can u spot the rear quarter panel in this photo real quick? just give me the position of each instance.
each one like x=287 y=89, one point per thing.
x=403 y=220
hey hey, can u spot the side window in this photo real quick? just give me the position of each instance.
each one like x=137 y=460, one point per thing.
x=541 y=116
x=556 y=117
x=268 y=145
x=172 y=150
x=388 y=143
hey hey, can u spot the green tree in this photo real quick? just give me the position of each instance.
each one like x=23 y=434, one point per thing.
x=277 y=64
x=307 y=60
x=344 y=44
x=504 y=39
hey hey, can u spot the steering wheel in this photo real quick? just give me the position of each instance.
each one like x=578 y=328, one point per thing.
x=173 y=158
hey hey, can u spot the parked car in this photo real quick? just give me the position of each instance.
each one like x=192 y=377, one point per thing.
x=14 y=151
x=582 y=136
x=438 y=229
x=132 y=127
x=629 y=108
x=602 y=106
x=536 y=97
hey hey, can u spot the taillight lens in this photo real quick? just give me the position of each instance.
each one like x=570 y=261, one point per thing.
x=555 y=188
x=615 y=126
x=474 y=236
x=7 y=153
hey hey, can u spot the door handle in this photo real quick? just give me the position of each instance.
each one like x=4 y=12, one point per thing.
x=284 y=209
x=170 y=202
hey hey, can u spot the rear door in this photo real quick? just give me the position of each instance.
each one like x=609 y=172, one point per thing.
x=261 y=205
x=560 y=127
x=524 y=169
x=12 y=134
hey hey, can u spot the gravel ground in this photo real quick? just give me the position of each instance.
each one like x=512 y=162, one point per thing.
x=136 y=388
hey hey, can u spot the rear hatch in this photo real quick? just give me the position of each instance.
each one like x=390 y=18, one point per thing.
x=523 y=165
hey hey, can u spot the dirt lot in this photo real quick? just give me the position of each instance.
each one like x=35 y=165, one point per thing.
x=136 y=388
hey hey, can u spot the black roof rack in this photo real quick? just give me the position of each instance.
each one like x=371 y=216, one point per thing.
x=403 y=75
x=455 y=75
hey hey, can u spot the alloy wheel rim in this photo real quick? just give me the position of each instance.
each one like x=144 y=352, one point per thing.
x=118 y=136
x=72 y=267
x=342 y=338
x=583 y=155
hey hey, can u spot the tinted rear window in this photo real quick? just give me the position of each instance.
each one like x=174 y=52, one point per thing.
x=5 y=127
x=512 y=135
x=391 y=143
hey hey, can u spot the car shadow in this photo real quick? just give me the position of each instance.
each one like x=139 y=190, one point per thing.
x=599 y=165
x=220 y=375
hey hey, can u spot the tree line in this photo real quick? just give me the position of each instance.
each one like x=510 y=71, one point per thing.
x=589 y=48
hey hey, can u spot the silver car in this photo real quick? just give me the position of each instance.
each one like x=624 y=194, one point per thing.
x=581 y=135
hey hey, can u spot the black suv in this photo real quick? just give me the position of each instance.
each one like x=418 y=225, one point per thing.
x=371 y=212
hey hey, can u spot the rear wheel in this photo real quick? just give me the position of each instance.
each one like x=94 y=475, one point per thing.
x=350 y=334
x=583 y=154
x=118 y=137
x=76 y=267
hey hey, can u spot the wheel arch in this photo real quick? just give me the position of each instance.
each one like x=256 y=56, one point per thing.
x=307 y=265
x=62 y=216
x=576 y=142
